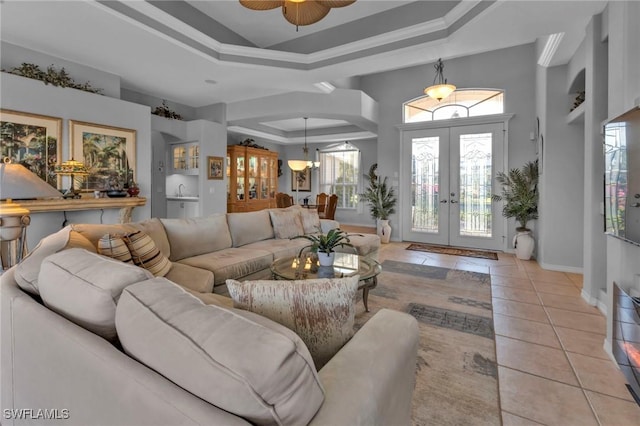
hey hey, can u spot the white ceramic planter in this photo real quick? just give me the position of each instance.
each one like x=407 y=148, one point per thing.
x=384 y=230
x=524 y=244
x=326 y=259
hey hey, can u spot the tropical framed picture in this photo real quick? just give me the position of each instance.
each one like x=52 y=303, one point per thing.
x=34 y=141
x=108 y=153
x=215 y=168
x=304 y=180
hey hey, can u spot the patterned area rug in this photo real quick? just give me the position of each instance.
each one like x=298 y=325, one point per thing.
x=456 y=251
x=456 y=377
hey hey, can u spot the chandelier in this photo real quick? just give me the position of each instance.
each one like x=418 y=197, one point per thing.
x=300 y=165
x=440 y=90
x=298 y=12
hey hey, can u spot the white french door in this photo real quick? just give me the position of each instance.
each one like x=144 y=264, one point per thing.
x=449 y=173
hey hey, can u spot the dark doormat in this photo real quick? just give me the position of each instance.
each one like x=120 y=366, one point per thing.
x=456 y=251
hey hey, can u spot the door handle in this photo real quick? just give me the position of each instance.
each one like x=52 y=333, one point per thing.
x=443 y=201
x=454 y=202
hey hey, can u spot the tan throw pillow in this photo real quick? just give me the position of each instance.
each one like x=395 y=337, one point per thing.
x=286 y=223
x=238 y=361
x=310 y=221
x=146 y=254
x=321 y=311
x=114 y=247
x=85 y=287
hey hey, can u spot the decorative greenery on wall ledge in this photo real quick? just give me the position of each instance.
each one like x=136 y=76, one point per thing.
x=165 y=111
x=51 y=76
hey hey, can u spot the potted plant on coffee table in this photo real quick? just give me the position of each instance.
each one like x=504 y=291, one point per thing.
x=520 y=196
x=325 y=244
x=382 y=202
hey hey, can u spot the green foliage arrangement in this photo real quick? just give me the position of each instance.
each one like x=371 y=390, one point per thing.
x=379 y=195
x=51 y=76
x=520 y=193
x=165 y=111
x=327 y=243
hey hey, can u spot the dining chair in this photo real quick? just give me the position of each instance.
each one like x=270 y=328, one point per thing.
x=321 y=202
x=330 y=211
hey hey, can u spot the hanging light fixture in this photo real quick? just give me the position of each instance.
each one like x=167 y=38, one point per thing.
x=298 y=12
x=440 y=90
x=300 y=165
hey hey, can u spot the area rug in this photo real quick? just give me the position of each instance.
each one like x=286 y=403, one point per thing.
x=456 y=251
x=456 y=372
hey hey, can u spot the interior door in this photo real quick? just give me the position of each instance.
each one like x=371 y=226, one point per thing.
x=450 y=172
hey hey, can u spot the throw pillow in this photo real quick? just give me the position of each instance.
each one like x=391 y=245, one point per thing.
x=28 y=270
x=238 y=361
x=286 y=223
x=321 y=311
x=310 y=221
x=85 y=287
x=114 y=247
x=145 y=253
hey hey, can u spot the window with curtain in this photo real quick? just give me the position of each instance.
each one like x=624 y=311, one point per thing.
x=339 y=174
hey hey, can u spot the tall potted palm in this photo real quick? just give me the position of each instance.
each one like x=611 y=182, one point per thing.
x=520 y=196
x=382 y=202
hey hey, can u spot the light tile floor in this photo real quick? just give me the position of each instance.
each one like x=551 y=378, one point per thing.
x=552 y=367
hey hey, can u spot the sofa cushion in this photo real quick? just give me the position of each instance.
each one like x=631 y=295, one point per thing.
x=27 y=271
x=310 y=221
x=146 y=254
x=113 y=246
x=365 y=244
x=240 y=362
x=191 y=237
x=286 y=223
x=280 y=248
x=249 y=227
x=231 y=263
x=196 y=279
x=321 y=311
x=84 y=287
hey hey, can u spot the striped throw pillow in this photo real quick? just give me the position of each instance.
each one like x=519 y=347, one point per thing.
x=146 y=254
x=113 y=246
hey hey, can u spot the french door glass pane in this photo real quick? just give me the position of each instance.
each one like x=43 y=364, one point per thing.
x=425 y=164
x=475 y=184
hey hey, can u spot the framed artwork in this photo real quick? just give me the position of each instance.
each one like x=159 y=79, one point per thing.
x=304 y=180
x=215 y=167
x=109 y=153
x=35 y=141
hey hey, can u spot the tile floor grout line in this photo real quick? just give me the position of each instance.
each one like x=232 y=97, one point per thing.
x=573 y=368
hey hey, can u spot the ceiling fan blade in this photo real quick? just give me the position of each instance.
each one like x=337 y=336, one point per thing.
x=306 y=13
x=261 y=4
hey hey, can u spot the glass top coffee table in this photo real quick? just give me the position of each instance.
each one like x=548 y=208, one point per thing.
x=344 y=265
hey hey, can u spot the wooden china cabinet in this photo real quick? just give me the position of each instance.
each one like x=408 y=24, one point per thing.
x=252 y=179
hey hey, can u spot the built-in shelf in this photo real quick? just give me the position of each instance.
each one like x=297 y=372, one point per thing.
x=577 y=115
x=125 y=204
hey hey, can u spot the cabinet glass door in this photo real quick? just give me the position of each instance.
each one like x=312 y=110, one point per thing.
x=240 y=192
x=273 y=177
x=179 y=158
x=264 y=178
x=252 y=176
x=194 y=155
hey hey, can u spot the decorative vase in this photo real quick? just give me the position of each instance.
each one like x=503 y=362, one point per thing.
x=326 y=259
x=384 y=230
x=133 y=191
x=524 y=243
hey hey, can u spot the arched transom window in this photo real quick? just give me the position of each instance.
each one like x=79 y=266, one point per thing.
x=460 y=104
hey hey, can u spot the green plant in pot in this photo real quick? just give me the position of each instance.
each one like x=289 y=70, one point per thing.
x=382 y=202
x=520 y=196
x=325 y=244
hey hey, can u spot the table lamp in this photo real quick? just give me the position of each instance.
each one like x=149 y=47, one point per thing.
x=17 y=183
x=71 y=168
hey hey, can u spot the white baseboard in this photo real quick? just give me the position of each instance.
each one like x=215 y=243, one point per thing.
x=561 y=268
x=607 y=349
x=602 y=306
x=593 y=301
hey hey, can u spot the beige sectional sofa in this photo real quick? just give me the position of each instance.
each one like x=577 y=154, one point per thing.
x=174 y=357
x=207 y=251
